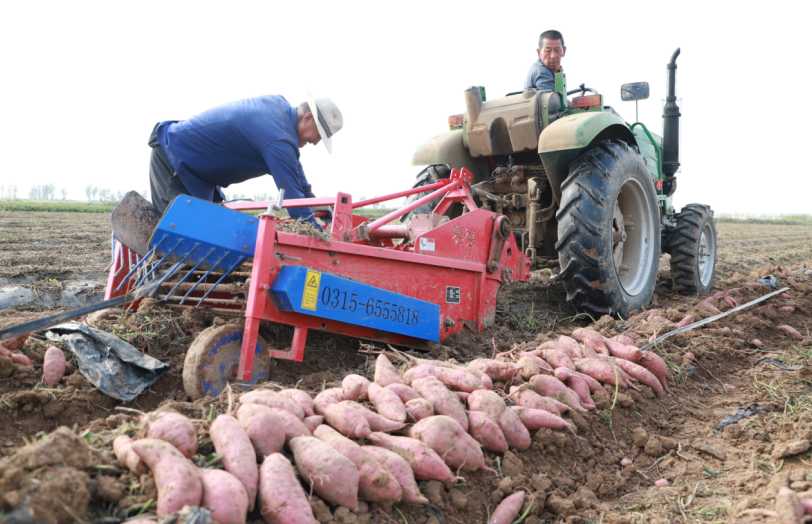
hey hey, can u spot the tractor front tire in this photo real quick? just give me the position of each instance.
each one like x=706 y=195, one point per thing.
x=692 y=245
x=609 y=231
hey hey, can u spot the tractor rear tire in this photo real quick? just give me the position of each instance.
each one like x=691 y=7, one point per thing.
x=692 y=244
x=609 y=231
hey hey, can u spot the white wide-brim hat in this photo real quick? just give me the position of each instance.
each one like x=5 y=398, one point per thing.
x=327 y=117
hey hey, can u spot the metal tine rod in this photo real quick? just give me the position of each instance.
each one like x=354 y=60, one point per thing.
x=224 y=275
x=135 y=268
x=169 y=253
x=188 y=273
x=206 y=274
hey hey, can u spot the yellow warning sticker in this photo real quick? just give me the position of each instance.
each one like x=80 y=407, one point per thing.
x=310 y=293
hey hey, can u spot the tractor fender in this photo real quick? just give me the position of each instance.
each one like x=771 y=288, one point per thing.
x=449 y=148
x=563 y=140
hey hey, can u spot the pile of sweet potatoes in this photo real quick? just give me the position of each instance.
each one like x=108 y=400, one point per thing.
x=372 y=440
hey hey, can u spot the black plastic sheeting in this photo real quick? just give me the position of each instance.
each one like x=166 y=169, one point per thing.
x=115 y=367
x=741 y=413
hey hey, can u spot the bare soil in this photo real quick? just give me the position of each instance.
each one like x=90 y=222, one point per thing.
x=606 y=474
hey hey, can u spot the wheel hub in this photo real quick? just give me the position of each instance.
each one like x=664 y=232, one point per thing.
x=632 y=232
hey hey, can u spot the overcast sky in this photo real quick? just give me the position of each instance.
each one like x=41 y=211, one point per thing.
x=83 y=82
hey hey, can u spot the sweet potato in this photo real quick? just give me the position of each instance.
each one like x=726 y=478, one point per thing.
x=569 y=345
x=790 y=331
x=625 y=338
x=173 y=428
x=442 y=400
x=654 y=363
x=401 y=470
x=526 y=396
x=515 y=431
x=141 y=520
x=487 y=432
x=554 y=388
x=557 y=358
x=454 y=378
x=594 y=385
x=534 y=419
x=176 y=478
x=21 y=360
x=497 y=370
x=300 y=397
x=333 y=476
x=404 y=392
x=386 y=402
x=424 y=461
x=327 y=397
x=602 y=370
x=239 y=458
x=641 y=374
x=788 y=507
x=489 y=402
x=577 y=383
x=126 y=455
x=313 y=421
x=355 y=387
x=419 y=408
x=349 y=418
x=16 y=343
x=272 y=399
x=375 y=482
x=224 y=495
x=507 y=510
x=444 y=435
x=53 y=366
x=281 y=497
x=385 y=372
x=618 y=350
x=530 y=365
x=265 y=427
x=585 y=335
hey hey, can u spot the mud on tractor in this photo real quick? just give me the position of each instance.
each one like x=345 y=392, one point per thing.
x=581 y=185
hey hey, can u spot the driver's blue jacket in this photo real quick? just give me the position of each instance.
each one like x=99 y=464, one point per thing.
x=540 y=77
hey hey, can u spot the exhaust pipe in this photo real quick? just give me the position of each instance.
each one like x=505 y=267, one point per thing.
x=671 y=116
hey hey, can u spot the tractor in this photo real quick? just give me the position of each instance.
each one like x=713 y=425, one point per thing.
x=582 y=189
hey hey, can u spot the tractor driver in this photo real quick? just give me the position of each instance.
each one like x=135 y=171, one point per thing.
x=550 y=51
x=236 y=142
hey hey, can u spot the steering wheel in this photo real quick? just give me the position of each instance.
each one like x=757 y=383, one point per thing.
x=581 y=89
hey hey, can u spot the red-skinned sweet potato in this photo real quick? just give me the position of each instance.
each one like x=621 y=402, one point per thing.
x=173 y=428
x=387 y=403
x=355 y=387
x=273 y=399
x=349 y=418
x=239 y=458
x=442 y=399
x=126 y=455
x=312 y=422
x=333 y=476
x=534 y=419
x=641 y=374
x=53 y=366
x=224 y=495
x=327 y=397
x=300 y=397
x=497 y=370
x=385 y=372
x=265 y=427
x=489 y=402
x=176 y=478
x=487 y=432
x=375 y=483
x=404 y=392
x=552 y=387
x=419 y=408
x=526 y=396
x=424 y=461
x=515 y=431
x=444 y=435
x=401 y=470
x=281 y=497
x=507 y=510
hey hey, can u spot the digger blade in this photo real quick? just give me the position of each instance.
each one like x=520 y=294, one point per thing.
x=134 y=219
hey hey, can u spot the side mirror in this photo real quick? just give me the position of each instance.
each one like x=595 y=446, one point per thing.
x=634 y=91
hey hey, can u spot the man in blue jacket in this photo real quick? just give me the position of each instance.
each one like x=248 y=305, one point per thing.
x=236 y=142
x=551 y=50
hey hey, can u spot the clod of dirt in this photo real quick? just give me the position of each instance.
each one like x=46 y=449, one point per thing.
x=7 y=367
x=541 y=482
x=710 y=450
x=458 y=499
x=584 y=498
x=654 y=447
x=434 y=491
x=512 y=465
x=788 y=449
x=48 y=477
x=109 y=489
x=320 y=510
x=345 y=516
x=639 y=437
x=559 y=505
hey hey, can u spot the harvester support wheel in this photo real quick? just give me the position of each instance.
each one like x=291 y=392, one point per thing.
x=609 y=231
x=692 y=244
x=212 y=361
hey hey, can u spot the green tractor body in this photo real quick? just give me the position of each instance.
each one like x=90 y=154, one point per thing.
x=582 y=187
